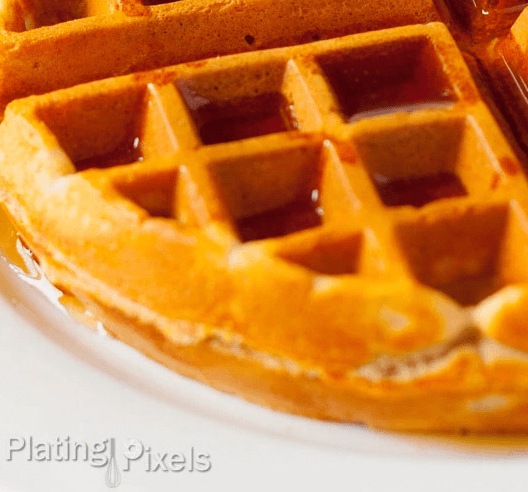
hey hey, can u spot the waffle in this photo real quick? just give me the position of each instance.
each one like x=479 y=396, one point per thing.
x=331 y=228
x=46 y=45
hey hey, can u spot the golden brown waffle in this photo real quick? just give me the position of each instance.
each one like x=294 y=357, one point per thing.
x=334 y=229
x=51 y=44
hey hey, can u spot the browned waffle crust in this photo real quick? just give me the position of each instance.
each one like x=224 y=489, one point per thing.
x=333 y=228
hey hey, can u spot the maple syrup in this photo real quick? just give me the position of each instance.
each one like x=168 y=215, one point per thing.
x=12 y=248
x=295 y=216
x=486 y=19
x=240 y=118
x=418 y=190
x=127 y=152
x=8 y=242
x=399 y=77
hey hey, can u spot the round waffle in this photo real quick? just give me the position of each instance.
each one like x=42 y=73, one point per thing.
x=334 y=229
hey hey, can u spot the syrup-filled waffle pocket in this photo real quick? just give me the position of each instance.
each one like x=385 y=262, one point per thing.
x=334 y=228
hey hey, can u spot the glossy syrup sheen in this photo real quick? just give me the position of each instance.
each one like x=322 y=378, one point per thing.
x=236 y=119
x=8 y=242
x=403 y=77
x=296 y=216
x=126 y=152
x=418 y=190
x=13 y=250
x=486 y=18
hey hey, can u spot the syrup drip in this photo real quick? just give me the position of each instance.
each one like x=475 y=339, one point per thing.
x=22 y=262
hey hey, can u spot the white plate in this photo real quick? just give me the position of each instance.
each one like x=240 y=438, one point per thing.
x=62 y=382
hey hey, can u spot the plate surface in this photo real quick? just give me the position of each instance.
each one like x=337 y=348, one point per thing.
x=68 y=392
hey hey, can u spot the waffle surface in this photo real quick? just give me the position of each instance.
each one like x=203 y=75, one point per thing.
x=334 y=228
